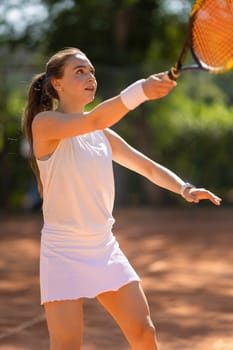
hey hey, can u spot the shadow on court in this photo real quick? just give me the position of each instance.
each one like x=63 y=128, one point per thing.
x=184 y=257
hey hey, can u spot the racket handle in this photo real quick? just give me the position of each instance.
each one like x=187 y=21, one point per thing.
x=173 y=74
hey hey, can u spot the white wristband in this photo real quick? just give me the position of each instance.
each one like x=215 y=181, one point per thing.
x=133 y=95
x=184 y=187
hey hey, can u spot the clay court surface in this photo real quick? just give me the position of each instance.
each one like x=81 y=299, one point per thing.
x=184 y=257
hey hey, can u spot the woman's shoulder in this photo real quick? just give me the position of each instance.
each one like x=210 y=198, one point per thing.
x=43 y=115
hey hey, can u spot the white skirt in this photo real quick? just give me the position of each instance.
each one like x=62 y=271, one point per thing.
x=74 y=266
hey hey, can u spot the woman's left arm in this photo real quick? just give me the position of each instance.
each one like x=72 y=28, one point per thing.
x=129 y=157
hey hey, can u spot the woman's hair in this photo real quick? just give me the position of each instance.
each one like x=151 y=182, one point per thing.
x=42 y=97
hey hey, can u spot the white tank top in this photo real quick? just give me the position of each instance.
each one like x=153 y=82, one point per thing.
x=78 y=186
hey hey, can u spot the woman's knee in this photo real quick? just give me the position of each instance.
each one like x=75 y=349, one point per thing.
x=65 y=341
x=65 y=324
x=142 y=333
x=147 y=331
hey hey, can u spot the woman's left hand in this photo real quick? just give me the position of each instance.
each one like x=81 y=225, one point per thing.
x=197 y=194
x=158 y=85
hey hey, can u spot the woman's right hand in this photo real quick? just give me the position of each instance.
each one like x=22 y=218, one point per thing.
x=158 y=85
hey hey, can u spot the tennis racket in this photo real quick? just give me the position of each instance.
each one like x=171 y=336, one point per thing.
x=209 y=39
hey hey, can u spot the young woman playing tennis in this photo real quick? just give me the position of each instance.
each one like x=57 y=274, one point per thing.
x=72 y=153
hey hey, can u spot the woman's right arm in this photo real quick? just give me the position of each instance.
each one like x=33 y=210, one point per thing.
x=51 y=125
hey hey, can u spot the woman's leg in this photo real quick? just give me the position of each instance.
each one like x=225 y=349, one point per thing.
x=129 y=308
x=65 y=324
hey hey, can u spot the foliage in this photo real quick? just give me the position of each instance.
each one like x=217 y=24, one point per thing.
x=125 y=28
x=190 y=131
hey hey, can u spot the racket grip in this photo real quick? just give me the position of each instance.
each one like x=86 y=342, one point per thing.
x=173 y=74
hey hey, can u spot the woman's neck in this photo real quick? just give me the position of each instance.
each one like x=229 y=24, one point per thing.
x=70 y=108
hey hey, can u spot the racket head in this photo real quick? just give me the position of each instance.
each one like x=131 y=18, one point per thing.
x=211 y=30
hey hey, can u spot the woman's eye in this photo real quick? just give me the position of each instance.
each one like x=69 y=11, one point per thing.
x=80 y=71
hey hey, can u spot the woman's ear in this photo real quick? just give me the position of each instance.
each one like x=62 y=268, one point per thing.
x=56 y=83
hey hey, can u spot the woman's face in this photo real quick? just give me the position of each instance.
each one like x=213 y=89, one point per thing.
x=78 y=81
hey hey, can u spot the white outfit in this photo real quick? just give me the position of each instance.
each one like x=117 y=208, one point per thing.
x=80 y=256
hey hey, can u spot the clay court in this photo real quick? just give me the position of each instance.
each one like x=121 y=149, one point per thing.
x=183 y=255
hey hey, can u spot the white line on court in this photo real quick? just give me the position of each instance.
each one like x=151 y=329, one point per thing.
x=23 y=326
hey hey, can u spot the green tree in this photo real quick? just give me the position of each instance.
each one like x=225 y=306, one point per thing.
x=116 y=31
x=126 y=40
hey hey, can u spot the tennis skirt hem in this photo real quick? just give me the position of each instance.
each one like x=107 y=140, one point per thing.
x=91 y=296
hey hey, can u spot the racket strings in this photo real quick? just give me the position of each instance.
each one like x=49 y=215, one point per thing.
x=212 y=30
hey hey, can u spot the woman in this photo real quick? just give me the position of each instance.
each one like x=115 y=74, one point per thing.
x=72 y=153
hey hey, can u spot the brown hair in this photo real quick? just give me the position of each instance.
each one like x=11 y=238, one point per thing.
x=41 y=97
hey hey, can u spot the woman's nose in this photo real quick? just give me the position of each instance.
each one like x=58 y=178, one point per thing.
x=91 y=77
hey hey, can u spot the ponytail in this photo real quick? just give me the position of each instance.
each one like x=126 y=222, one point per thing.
x=39 y=99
